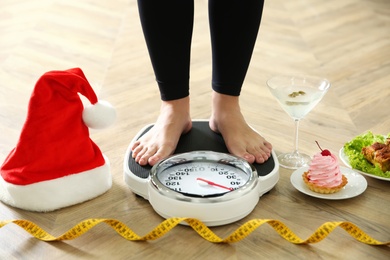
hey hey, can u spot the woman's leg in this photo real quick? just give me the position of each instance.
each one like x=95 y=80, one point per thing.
x=234 y=26
x=167 y=27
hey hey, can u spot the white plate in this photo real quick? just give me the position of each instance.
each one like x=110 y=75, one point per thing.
x=356 y=185
x=345 y=160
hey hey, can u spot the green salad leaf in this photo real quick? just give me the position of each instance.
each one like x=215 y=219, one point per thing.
x=353 y=150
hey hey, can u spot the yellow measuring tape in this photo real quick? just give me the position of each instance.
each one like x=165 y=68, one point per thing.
x=167 y=225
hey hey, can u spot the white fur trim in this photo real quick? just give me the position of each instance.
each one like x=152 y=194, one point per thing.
x=58 y=193
x=100 y=115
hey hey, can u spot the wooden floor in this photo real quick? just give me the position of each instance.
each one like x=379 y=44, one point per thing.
x=346 y=41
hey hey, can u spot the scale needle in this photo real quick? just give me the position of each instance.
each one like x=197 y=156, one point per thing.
x=214 y=184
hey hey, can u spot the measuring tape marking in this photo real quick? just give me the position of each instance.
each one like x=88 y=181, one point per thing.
x=167 y=225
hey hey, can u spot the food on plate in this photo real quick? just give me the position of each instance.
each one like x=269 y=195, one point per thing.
x=361 y=152
x=324 y=175
x=378 y=154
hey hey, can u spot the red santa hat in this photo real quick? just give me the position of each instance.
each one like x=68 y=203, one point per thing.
x=55 y=164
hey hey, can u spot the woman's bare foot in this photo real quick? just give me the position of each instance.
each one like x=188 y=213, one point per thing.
x=240 y=139
x=161 y=140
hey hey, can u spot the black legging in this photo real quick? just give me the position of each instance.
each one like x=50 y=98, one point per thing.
x=168 y=25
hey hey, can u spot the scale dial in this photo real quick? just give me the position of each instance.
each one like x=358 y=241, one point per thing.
x=203 y=179
x=203 y=174
x=216 y=188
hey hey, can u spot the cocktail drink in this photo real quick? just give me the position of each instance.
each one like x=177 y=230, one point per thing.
x=297 y=100
x=297 y=96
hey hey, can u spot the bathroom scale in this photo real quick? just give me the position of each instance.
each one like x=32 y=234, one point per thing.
x=201 y=179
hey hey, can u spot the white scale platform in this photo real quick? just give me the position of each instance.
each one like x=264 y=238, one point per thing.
x=200 y=138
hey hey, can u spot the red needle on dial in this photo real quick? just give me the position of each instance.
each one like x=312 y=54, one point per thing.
x=214 y=184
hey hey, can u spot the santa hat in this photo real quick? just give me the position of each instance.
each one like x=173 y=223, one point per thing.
x=55 y=164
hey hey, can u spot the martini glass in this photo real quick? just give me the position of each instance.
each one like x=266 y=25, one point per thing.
x=297 y=96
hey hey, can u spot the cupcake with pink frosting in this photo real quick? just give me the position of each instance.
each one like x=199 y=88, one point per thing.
x=323 y=175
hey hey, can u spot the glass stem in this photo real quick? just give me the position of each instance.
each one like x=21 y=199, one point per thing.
x=296 y=121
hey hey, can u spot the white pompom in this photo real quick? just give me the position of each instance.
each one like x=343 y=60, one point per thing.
x=99 y=115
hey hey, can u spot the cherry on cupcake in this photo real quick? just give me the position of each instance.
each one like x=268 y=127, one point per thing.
x=325 y=152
